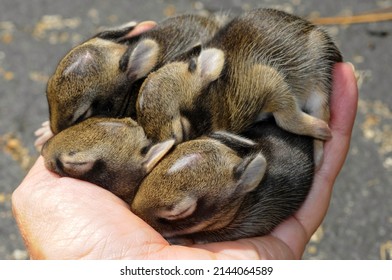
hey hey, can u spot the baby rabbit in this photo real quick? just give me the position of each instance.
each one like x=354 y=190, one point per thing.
x=215 y=188
x=264 y=61
x=112 y=153
x=224 y=187
x=102 y=76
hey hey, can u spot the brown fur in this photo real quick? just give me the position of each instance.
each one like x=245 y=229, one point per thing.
x=112 y=153
x=99 y=77
x=215 y=188
x=263 y=62
x=222 y=187
x=198 y=98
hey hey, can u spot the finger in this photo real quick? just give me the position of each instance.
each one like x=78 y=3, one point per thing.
x=40 y=131
x=343 y=110
x=344 y=107
x=42 y=139
x=44 y=127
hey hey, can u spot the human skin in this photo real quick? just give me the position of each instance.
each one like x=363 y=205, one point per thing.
x=65 y=218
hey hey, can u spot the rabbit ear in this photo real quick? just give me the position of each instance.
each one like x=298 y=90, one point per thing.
x=82 y=60
x=156 y=153
x=140 y=28
x=76 y=165
x=250 y=172
x=125 y=31
x=234 y=141
x=180 y=210
x=140 y=60
x=211 y=62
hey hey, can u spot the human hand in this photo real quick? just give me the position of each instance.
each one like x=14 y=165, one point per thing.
x=65 y=218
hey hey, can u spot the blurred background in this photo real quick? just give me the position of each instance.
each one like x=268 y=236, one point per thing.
x=36 y=34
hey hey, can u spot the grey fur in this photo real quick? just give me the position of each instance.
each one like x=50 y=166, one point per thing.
x=210 y=185
x=112 y=153
x=102 y=75
x=264 y=61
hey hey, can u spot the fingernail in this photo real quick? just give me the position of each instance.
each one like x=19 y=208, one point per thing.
x=352 y=66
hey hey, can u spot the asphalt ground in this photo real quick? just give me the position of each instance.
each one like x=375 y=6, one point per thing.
x=35 y=34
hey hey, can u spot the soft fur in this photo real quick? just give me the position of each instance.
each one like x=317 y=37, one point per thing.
x=224 y=187
x=262 y=62
x=102 y=75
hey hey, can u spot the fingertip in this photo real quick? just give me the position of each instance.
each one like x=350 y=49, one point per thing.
x=344 y=98
x=351 y=65
x=344 y=102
